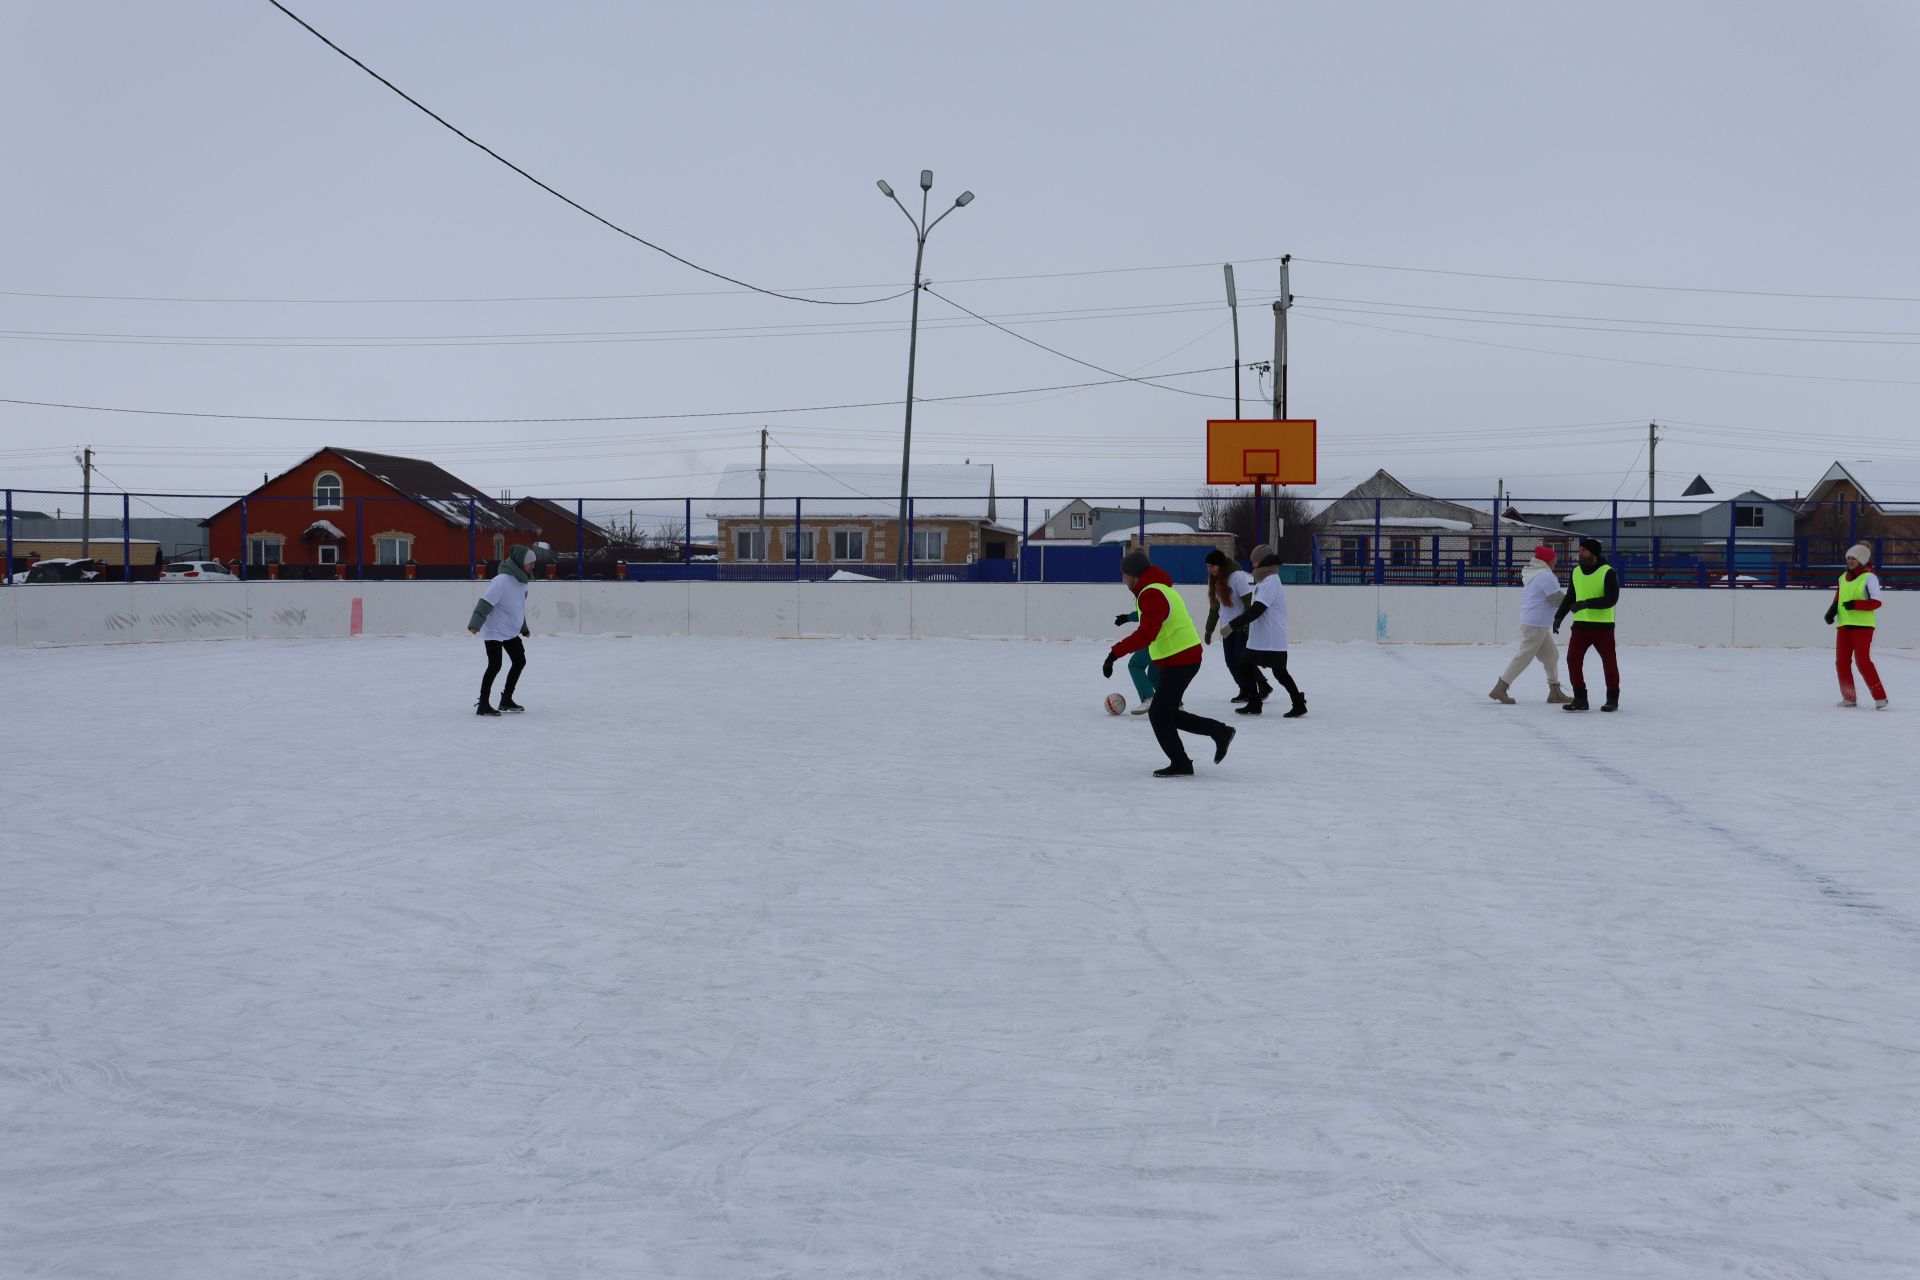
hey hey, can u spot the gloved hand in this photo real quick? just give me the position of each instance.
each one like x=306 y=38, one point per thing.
x=1556 y=625
x=1209 y=636
x=1106 y=668
x=1833 y=611
x=1122 y=619
x=525 y=632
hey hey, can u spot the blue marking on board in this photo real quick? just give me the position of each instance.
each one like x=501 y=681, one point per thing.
x=1380 y=626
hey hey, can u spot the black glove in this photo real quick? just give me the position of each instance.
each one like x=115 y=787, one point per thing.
x=1122 y=619
x=1833 y=611
x=1556 y=625
x=525 y=632
x=1106 y=668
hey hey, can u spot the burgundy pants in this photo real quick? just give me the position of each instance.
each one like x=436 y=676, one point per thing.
x=1851 y=645
x=1598 y=637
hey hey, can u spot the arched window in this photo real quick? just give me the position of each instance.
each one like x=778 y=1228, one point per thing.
x=328 y=493
x=499 y=546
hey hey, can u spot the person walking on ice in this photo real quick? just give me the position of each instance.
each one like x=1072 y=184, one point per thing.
x=1229 y=588
x=1540 y=590
x=1853 y=615
x=1596 y=590
x=500 y=618
x=1264 y=625
x=1168 y=635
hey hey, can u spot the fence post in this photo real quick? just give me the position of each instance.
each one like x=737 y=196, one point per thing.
x=1733 y=536
x=1653 y=540
x=359 y=539
x=246 y=552
x=580 y=528
x=9 y=573
x=1314 y=552
x=796 y=538
x=909 y=539
x=126 y=537
x=472 y=535
x=1143 y=522
x=1613 y=532
x=1435 y=575
x=1493 y=551
x=1026 y=523
x=686 y=542
x=1375 y=575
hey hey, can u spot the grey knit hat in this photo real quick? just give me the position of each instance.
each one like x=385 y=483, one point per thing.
x=1137 y=562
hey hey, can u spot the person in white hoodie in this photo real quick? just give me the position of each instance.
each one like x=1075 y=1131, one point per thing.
x=500 y=618
x=1540 y=592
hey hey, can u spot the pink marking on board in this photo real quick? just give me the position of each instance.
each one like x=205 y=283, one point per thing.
x=356 y=619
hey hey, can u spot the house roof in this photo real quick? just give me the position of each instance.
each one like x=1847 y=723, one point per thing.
x=951 y=491
x=561 y=512
x=433 y=487
x=1633 y=509
x=1162 y=527
x=1892 y=485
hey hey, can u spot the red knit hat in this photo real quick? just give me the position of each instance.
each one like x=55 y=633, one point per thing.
x=1543 y=552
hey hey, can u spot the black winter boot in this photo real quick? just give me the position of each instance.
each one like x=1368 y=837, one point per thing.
x=1613 y=701
x=1221 y=743
x=1579 y=702
x=1248 y=709
x=507 y=703
x=484 y=708
x=1299 y=707
x=1183 y=769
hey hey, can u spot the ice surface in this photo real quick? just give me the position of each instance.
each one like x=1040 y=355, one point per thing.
x=741 y=958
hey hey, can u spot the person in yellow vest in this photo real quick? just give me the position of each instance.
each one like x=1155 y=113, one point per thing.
x=1852 y=615
x=1167 y=633
x=1591 y=597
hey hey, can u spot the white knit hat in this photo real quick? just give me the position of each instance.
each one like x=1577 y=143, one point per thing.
x=1861 y=552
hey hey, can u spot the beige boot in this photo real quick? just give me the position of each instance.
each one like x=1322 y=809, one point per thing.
x=1500 y=693
x=1556 y=695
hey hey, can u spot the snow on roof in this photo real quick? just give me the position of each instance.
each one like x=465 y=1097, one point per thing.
x=1153 y=527
x=940 y=490
x=327 y=527
x=1635 y=508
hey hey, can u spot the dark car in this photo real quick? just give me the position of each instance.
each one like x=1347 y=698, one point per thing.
x=60 y=571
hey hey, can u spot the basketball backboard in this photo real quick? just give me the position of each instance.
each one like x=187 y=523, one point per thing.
x=1263 y=451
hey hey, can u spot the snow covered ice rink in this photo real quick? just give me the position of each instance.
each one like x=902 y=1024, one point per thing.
x=751 y=958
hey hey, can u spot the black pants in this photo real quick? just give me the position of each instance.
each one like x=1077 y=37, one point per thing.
x=1233 y=647
x=1170 y=721
x=1274 y=660
x=515 y=651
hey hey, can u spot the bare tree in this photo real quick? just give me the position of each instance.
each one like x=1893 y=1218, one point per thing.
x=1231 y=511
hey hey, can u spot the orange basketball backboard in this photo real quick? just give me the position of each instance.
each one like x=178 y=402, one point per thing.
x=1263 y=451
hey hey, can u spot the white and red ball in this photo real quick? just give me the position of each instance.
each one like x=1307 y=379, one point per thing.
x=1116 y=703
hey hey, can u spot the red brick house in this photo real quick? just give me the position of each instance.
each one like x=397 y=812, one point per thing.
x=560 y=526
x=364 y=514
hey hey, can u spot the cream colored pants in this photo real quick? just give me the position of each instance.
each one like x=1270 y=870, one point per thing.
x=1535 y=642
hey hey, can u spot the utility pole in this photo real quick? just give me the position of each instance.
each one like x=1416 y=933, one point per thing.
x=86 y=502
x=1233 y=305
x=763 y=493
x=1653 y=442
x=1280 y=305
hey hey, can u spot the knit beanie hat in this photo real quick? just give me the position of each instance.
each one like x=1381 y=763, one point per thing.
x=1219 y=557
x=1543 y=552
x=1259 y=554
x=1136 y=563
x=1593 y=545
x=1860 y=551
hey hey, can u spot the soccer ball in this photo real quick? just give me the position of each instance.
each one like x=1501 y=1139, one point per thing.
x=1116 y=703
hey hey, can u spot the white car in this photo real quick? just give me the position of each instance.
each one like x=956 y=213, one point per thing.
x=58 y=570
x=196 y=571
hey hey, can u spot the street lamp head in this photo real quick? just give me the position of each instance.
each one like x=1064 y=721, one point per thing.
x=926 y=179
x=966 y=198
x=885 y=190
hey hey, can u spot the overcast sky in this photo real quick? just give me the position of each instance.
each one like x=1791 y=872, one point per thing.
x=212 y=149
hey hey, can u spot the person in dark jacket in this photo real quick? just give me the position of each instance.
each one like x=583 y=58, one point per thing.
x=1168 y=635
x=1592 y=593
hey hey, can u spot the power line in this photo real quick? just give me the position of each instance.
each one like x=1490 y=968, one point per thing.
x=608 y=417
x=1075 y=359
x=1611 y=284
x=1552 y=315
x=605 y=222
x=1654 y=364
x=1408 y=314
x=803 y=462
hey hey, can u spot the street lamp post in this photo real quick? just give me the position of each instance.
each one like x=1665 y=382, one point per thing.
x=921 y=229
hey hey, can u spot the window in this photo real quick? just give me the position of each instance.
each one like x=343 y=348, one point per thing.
x=1079 y=520
x=393 y=548
x=806 y=544
x=929 y=544
x=1404 y=551
x=1353 y=551
x=748 y=545
x=1481 y=553
x=499 y=546
x=849 y=544
x=1628 y=524
x=328 y=493
x=264 y=549
x=326 y=553
x=1749 y=517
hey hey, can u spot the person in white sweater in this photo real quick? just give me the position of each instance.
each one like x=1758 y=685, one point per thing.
x=1540 y=592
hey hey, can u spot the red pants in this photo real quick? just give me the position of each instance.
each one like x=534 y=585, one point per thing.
x=1599 y=638
x=1851 y=645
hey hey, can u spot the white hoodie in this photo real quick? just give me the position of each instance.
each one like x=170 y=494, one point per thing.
x=1540 y=594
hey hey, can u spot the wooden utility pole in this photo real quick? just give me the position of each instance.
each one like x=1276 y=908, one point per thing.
x=763 y=495
x=1653 y=442
x=86 y=502
x=1280 y=305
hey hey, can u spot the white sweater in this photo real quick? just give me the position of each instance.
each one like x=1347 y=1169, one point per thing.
x=1539 y=594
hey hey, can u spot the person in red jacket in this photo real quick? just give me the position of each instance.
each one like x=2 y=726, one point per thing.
x=1168 y=635
x=1852 y=615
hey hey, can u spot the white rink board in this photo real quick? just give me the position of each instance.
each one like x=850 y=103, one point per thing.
x=117 y=613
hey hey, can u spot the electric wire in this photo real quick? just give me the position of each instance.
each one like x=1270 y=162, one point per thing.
x=1611 y=284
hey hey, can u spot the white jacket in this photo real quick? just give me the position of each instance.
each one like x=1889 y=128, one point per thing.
x=1540 y=594
x=508 y=596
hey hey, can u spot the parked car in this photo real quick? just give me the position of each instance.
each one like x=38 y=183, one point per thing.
x=58 y=571
x=196 y=571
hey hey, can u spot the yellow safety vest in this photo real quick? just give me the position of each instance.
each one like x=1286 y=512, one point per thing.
x=1852 y=589
x=1590 y=585
x=1177 y=633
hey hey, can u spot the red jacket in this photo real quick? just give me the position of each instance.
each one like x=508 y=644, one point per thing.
x=1153 y=613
